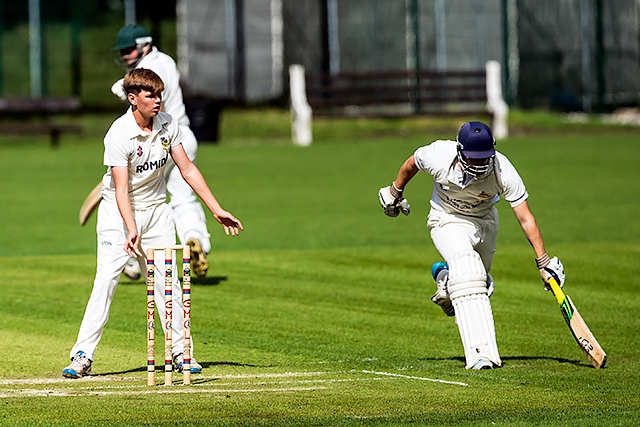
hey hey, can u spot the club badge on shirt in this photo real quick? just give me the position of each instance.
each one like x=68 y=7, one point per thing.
x=165 y=143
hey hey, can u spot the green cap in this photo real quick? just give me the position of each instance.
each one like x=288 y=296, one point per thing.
x=128 y=36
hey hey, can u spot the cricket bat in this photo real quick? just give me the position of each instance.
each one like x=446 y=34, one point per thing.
x=578 y=327
x=90 y=204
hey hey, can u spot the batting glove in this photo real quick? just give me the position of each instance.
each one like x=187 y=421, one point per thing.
x=392 y=201
x=550 y=268
x=118 y=90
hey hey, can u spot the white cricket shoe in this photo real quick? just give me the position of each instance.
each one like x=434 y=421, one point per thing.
x=80 y=366
x=199 y=262
x=440 y=273
x=132 y=269
x=194 y=367
x=483 y=363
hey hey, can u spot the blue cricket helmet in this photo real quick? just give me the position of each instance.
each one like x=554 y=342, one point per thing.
x=476 y=141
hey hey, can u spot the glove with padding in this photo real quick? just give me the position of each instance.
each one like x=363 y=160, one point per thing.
x=118 y=90
x=392 y=201
x=550 y=268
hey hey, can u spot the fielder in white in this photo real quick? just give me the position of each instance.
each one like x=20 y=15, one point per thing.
x=134 y=214
x=134 y=44
x=469 y=178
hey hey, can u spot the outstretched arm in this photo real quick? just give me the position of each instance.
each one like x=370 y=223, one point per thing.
x=530 y=228
x=194 y=178
x=549 y=267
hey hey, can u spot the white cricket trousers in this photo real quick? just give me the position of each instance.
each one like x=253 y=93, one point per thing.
x=186 y=211
x=452 y=234
x=156 y=230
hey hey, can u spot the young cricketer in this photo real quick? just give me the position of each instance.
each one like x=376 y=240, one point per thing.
x=134 y=214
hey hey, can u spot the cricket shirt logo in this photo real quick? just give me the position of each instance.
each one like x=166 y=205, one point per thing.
x=151 y=165
x=139 y=151
x=165 y=143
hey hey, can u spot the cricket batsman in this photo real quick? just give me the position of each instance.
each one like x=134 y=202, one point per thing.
x=469 y=178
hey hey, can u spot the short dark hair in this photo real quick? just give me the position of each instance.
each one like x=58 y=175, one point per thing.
x=141 y=79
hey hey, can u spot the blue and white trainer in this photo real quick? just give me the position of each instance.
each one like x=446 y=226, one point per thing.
x=194 y=366
x=483 y=363
x=440 y=273
x=80 y=366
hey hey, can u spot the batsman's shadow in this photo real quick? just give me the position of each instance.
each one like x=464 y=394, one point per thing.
x=507 y=359
x=557 y=359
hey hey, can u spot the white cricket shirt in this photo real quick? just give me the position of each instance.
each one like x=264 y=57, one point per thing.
x=164 y=66
x=145 y=154
x=451 y=194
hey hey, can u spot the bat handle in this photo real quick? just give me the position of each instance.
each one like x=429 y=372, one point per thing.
x=557 y=291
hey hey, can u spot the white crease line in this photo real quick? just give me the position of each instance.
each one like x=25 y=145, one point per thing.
x=34 y=381
x=158 y=390
x=435 y=380
x=277 y=375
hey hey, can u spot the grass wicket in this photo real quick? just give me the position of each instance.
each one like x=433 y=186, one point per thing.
x=168 y=318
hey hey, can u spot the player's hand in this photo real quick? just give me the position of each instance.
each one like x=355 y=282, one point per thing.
x=118 y=90
x=231 y=225
x=550 y=268
x=392 y=201
x=132 y=244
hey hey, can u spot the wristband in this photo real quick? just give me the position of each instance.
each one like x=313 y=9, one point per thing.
x=397 y=194
x=542 y=261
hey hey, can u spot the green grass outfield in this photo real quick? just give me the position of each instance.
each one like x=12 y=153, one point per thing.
x=319 y=313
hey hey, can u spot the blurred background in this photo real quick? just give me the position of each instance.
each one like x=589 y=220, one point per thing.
x=564 y=55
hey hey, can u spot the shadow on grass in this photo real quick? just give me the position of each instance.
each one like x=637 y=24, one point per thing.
x=208 y=281
x=507 y=359
x=199 y=281
x=160 y=368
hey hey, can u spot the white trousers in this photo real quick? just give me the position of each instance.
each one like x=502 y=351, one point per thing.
x=452 y=234
x=156 y=230
x=186 y=211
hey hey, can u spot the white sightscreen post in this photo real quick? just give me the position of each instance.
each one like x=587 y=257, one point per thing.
x=495 y=101
x=301 y=114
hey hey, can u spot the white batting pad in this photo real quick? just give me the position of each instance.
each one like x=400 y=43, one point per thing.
x=467 y=275
x=477 y=331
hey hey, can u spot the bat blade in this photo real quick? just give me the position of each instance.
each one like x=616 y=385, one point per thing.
x=579 y=328
x=90 y=204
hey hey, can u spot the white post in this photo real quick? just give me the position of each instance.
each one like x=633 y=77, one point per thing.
x=495 y=102
x=301 y=113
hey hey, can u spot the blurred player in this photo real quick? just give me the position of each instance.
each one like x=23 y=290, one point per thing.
x=136 y=50
x=469 y=177
x=134 y=214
